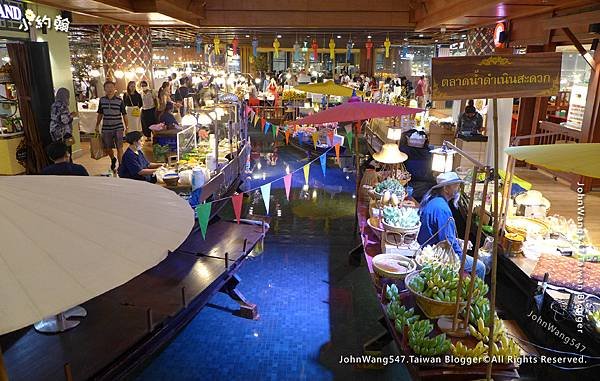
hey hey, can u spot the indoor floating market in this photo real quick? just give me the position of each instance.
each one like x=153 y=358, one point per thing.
x=299 y=190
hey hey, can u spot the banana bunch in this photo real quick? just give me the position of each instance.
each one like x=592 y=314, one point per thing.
x=391 y=292
x=507 y=350
x=429 y=346
x=461 y=350
x=480 y=309
x=423 y=345
x=436 y=282
x=401 y=315
x=479 y=290
x=482 y=332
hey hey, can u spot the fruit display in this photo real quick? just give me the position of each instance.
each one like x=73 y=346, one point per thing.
x=480 y=309
x=503 y=348
x=440 y=283
x=292 y=95
x=400 y=315
x=393 y=186
x=438 y=254
x=423 y=345
x=391 y=292
x=405 y=218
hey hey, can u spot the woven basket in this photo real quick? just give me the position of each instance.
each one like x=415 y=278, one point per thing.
x=432 y=308
x=398 y=230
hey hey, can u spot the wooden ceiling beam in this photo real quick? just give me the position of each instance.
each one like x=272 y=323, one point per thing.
x=436 y=13
x=570 y=20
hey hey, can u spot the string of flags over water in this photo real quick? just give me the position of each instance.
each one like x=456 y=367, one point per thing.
x=203 y=210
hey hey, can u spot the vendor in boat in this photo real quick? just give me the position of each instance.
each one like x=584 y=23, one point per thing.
x=437 y=223
x=134 y=164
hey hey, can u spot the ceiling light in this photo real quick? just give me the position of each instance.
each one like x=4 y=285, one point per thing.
x=369 y=36
x=420 y=35
x=436 y=41
x=247 y=36
x=464 y=36
x=339 y=36
x=278 y=36
x=405 y=39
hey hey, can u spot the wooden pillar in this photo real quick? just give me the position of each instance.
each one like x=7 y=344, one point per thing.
x=590 y=128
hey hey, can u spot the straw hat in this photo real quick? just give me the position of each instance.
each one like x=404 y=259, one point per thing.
x=390 y=154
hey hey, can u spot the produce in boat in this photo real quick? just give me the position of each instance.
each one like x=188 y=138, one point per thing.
x=405 y=218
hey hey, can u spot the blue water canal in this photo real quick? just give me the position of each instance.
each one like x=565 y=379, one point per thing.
x=313 y=306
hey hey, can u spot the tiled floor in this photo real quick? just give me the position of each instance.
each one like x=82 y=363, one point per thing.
x=313 y=306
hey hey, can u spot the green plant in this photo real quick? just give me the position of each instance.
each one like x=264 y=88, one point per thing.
x=401 y=217
x=391 y=185
x=160 y=152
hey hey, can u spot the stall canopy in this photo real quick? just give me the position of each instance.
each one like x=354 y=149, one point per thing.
x=66 y=240
x=353 y=111
x=328 y=88
x=581 y=159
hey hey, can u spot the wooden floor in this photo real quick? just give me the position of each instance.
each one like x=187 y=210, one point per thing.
x=564 y=200
x=117 y=321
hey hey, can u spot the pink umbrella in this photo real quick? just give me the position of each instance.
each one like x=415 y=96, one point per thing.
x=351 y=111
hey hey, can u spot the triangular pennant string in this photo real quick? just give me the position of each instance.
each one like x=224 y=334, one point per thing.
x=287 y=136
x=237 y=200
x=203 y=215
x=275 y=129
x=337 y=153
x=267 y=126
x=323 y=159
x=349 y=136
x=265 y=190
x=306 y=173
x=287 y=181
x=263 y=121
x=315 y=138
x=330 y=137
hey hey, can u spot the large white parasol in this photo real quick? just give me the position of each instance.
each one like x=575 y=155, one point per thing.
x=65 y=240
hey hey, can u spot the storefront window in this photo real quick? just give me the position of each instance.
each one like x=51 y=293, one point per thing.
x=575 y=70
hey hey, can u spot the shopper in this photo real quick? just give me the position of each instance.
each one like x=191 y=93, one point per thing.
x=111 y=112
x=168 y=118
x=61 y=120
x=174 y=83
x=437 y=223
x=164 y=96
x=135 y=165
x=62 y=166
x=470 y=122
x=180 y=95
x=133 y=106
x=420 y=92
x=149 y=103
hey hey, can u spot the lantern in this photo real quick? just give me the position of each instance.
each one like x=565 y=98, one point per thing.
x=387 y=45
x=443 y=159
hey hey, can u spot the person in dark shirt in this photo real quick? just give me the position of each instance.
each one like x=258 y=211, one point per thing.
x=415 y=144
x=182 y=92
x=135 y=165
x=59 y=154
x=470 y=122
x=168 y=118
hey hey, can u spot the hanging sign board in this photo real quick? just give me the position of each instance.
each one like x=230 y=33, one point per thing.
x=505 y=76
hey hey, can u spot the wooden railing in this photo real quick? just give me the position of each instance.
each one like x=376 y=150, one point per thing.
x=555 y=133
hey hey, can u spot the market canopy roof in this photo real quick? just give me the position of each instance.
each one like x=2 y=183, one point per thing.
x=66 y=240
x=351 y=111
x=328 y=88
x=580 y=159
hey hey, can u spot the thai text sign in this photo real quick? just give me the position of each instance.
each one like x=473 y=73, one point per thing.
x=501 y=76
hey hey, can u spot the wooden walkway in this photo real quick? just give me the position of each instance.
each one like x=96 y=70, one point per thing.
x=127 y=325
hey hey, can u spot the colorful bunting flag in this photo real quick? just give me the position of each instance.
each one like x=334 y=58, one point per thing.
x=287 y=181
x=237 y=200
x=287 y=136
x=300 y=134
x=255 y=121
x=330 y=137
x=248 y=110
x=275 y=130
x=349 y=136
x=203 y=214
x=265 y=190
x=315 y=138
x=323 y=159
x=306 y=172
x=267 y=125
x=263 y=121
x=337 y=153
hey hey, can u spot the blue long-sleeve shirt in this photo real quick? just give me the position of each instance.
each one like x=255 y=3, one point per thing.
x=434 y=215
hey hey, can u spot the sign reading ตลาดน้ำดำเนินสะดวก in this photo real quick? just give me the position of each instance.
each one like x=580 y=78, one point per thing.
x=497 y=76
